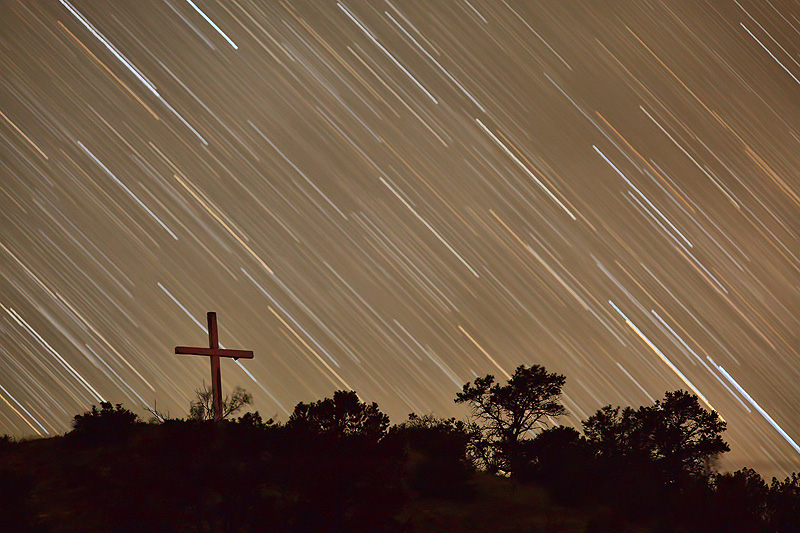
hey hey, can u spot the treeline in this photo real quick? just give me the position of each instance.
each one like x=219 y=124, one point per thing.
x=337 y=465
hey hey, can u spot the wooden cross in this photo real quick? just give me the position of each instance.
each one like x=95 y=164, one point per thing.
x=215 y=352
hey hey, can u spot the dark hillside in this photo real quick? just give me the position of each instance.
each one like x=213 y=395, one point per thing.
x=337 y=466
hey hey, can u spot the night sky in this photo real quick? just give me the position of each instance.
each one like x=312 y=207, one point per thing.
x=395 y=197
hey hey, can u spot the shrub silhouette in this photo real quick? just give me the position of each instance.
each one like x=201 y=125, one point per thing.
x=105 y=425
x=739 y=502
x=202 y=407
x=783 y=505
x=253 y=420
x=507 y=413
x=437 y=450
x=341 y=416
x=560 y=459
x=345 y=475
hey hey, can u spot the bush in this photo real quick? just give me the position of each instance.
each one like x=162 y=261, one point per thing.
x=107 y=424
x=438 y=463
x=561 y=460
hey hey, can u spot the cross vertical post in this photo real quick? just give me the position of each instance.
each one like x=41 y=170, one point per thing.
x=216 y=373
x=214 y=352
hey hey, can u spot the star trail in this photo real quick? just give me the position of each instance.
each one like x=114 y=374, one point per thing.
x=395 y=197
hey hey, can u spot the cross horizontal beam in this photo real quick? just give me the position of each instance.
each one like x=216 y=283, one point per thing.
x=214 y=352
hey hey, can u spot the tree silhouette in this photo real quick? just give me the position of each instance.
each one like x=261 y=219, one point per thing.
x=656 y=461
x=506 y=413
x=202 y=408
x=687 y=438
x=341 y=416
x=676 y=434
x=615 y=432
x=740 y=501
x=783 y=505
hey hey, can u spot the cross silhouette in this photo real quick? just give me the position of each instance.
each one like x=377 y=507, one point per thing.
x=215 y=352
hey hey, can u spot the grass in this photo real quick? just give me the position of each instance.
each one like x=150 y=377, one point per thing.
x=497 y=506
